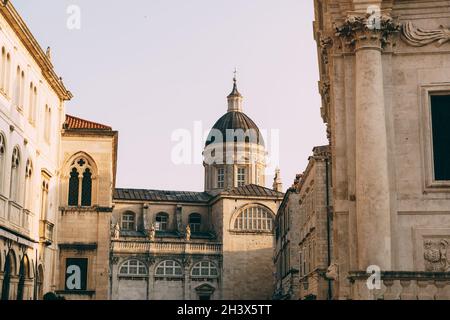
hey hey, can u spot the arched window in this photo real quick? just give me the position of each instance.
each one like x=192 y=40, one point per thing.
x=48 y=123
x=15 y=166
x=2 y=160
x=17 y=87
x=86 y=190
x=195 y=222
x=8 y=271
x=23 y=274
x=80 y=183
x=73 y=187
x=3 y=71
x=133 y=268
x=30 y=102
x=204 y=269
x=129 y=221
x=255 y=218
x=7 y=74
x=169 y=268
x=162 y=221
x=28 y=183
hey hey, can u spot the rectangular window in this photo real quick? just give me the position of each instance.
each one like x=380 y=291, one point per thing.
x=220 y=177
x=440 y=115
x=128 y=221
x=241 y=177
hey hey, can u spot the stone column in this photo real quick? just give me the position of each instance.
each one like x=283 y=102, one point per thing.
x=373 y=212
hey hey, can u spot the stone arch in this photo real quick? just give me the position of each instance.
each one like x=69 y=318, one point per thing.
x=40 y=282
x=9 y=270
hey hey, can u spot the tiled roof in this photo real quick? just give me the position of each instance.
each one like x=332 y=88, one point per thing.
x=254 y=190
x=234 y=120
x=77 y=123
x=250 y=190
x=160 y=195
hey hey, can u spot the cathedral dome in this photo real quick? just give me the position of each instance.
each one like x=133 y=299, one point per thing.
x=235 y=120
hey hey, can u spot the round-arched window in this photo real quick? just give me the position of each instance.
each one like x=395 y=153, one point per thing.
x=169 y=268
x=133 y=268
x=254 y=218
x=204 y=269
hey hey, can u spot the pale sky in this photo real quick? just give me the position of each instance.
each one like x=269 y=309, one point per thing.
x=150 y=67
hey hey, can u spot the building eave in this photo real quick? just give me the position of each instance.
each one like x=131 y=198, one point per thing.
x=23 y=32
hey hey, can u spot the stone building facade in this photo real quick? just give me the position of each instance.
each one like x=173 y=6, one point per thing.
x=385 y=78
x=216 y=244
x=303 y=239
x=66 y=230
x=32 y=100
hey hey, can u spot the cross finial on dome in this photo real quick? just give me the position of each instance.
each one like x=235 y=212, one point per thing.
x=235 y=92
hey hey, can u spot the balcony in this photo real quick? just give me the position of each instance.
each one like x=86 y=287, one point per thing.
x=46 y=232
x=402 y=285
x=143 y=247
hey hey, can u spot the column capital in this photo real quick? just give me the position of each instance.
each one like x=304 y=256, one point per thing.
x=367 y=31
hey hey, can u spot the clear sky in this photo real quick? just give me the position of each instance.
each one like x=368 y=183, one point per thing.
x=151 y=67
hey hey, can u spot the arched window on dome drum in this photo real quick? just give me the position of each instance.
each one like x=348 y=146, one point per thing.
x=73 y=187
x=132 y=268
x=254 y=219
x=195 y=222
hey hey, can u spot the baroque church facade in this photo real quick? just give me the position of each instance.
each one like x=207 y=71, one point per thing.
x=66 y=229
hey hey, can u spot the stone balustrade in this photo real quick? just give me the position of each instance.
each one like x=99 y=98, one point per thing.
x=141 y=247
x=402 y=285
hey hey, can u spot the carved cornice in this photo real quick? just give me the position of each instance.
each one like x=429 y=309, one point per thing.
x=418 y=37
x=325 y=43
x=375 y=29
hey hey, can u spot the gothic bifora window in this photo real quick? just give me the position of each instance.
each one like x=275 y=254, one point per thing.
x=80 y=183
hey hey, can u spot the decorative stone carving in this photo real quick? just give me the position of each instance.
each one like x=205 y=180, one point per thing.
x=152 y=232
x=435 y=255
x=188 y=233
x=357 y=28
x=116 y=231
x=187 y=261
x=332 y=272
x=150 y=260
x=418 y=37
x=325 y=43
x=324 y=89
x=115 y=260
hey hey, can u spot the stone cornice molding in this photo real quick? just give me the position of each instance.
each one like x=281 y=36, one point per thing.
x=367 y=29
x=418 y=37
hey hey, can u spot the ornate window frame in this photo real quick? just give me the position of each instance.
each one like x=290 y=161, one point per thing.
x=94 y=180
x=426 y=137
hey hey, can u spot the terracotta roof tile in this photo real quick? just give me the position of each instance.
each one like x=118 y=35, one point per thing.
x=78 y=123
